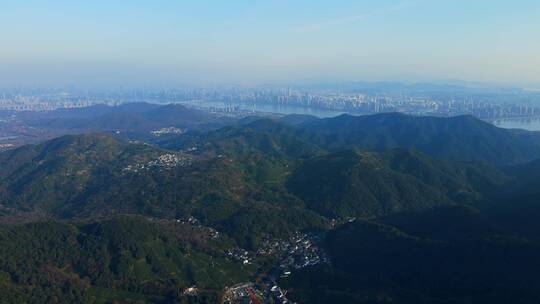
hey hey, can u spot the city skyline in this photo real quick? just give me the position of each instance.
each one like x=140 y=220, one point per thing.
x=251 y=42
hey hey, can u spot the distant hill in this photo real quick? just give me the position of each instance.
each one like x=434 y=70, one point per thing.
x=267 y=136
x=297 y=119
x=129 y=118
x=6 y=113
x=463 y=138
x=85 y=112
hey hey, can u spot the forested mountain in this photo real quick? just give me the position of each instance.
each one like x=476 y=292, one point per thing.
x=97 y=175
x=90 y=175
x=463 y=138
x=125 y=259
x=368 y=184
x=448 y=255
x=132 y=118
x=266 y=136
x=409 y=210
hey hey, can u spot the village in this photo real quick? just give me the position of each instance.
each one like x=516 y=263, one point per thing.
x=169 y=130
x=164 y=161
x=299 y=251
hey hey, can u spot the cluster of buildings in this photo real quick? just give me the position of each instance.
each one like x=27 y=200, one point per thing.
x=239 y=254
x=4 y=147
x=302 y=251
x=164 y=161
x=488 y=105
x=361 y=103
x=242 y=293
x=192 y=221
x=249 y=293
x=167 y=131
x=46 y=102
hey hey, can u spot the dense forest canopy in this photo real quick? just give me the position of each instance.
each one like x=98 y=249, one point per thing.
x=407 y=209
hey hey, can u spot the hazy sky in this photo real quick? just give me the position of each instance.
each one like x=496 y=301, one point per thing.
x=251 y=41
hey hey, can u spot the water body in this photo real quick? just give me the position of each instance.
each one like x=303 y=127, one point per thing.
x=4 y=138
x=266 y=108
x=530 y=124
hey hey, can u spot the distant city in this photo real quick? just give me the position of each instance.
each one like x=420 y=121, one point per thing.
x=487 y=104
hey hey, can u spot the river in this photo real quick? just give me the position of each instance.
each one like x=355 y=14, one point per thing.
x=265 y=108
x=530 y=124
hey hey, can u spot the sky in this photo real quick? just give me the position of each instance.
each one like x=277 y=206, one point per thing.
x=173 y=42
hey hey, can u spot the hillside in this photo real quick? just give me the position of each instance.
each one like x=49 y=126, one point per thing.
x=462 y=138
x=265 y=136
x=135 y=119
x=106 y=218
x=262 y=165
x=449 y=255
x=50 y=175
x=126 y=259
x=367 y=184
x=89 y=176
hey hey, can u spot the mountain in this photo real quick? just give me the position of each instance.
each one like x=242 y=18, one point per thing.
x=348 y=183
x=517 y=206
x=366 y=184
x=48 y=176
x=266 y=136
x=458 y=253
x=446 y=255
x=70 y=115
x=463 y=138
x=526 y=176
x=123 y=259
x=131 y=118
x=263 y=162
x=96 y=218
x=92 y=176
x=5 y=113
x=297 y=119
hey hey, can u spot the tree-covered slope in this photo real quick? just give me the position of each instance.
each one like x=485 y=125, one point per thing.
x=367 y=184
x=429 y=229
x=262 y=136
x=448 y=255
x=89 y=176
x=133 y=118
x=261 y=166
x=461 y=138
x=125 y=259
x=54 y=173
